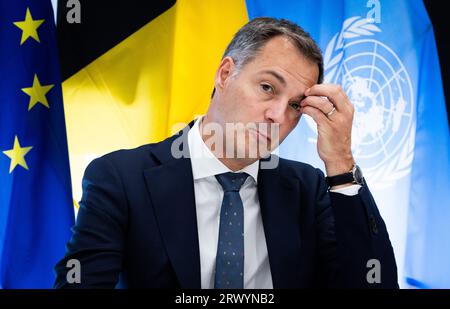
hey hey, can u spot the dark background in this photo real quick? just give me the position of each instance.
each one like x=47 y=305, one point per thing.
x=439 y=15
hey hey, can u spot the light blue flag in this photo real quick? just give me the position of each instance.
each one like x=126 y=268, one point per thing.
x=383 y=53
x=36 y=208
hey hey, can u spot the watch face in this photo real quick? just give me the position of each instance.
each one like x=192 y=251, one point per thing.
x=357 y=174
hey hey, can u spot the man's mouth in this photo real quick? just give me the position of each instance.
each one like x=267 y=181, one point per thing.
x=262 y=135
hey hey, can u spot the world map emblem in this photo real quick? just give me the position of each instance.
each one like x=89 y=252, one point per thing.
x=378 y=85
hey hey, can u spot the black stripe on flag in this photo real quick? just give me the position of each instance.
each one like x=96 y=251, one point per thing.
x=104 y=24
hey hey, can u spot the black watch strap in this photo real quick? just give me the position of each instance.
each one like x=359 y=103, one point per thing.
x=340 y=179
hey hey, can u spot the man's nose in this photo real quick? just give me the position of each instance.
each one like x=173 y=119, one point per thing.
x=276 y=112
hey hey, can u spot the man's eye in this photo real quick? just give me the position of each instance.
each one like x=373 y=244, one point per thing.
x=295 y=106
x=267 y=88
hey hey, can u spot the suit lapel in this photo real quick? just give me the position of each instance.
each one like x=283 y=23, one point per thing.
x=171 y=189
x=279 y=199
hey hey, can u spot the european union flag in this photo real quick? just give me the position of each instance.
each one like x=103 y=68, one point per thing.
x=36 y=207
x=384 y=56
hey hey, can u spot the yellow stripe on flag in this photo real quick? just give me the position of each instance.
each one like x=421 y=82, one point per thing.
x=203 y=30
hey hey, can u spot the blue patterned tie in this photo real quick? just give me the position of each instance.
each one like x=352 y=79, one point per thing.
x=230 y=249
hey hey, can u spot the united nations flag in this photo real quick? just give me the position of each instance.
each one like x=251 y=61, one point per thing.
x=384 y=56
x=36 y=208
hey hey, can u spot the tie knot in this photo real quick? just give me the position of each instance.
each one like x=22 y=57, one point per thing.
x=231 y=181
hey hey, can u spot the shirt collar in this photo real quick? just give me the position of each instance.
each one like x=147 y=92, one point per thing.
x=204 y=162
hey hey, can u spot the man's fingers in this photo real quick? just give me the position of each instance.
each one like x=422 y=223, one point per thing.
x=333 y=92
x=321 y=103
x=316 y=114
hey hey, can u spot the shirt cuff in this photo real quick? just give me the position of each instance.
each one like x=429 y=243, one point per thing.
x=350 y=190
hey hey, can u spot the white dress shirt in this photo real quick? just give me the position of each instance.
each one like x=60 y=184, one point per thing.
x=208 y=200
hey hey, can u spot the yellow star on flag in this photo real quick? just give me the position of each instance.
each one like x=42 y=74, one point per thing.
x=37 y=93
x=17 y=155
x=29 y=27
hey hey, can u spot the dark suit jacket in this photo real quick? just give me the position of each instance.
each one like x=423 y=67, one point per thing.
x=137 y=221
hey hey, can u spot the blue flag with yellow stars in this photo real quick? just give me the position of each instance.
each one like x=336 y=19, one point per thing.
x=36 y=207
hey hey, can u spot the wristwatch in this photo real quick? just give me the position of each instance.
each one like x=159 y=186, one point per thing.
x=354 y=176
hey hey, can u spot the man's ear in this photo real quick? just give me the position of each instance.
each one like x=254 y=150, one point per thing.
x=224 y=72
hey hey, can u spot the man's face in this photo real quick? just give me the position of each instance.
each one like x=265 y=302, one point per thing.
x=267 y=90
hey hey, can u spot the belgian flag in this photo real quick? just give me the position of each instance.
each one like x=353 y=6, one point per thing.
x=134 y=69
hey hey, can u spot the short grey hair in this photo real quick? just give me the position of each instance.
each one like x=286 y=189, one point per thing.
x=249 y=40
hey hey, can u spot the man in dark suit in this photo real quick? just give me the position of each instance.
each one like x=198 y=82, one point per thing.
x=206 y=208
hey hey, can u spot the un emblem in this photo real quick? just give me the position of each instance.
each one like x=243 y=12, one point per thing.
x=379 y=87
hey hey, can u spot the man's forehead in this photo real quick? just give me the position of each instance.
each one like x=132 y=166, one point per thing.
x=280 y=56
x=284 y=77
